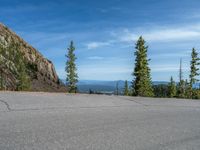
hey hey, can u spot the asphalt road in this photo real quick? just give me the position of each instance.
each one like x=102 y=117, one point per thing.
x=45 y=121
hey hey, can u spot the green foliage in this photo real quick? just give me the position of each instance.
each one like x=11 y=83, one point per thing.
x=142 y=85
x=23 y=83
x=194 y=63
x=32 y=69
x=181 y=89
x=126 y=89
x=1 y=81
x=160 y=90
x=23 y=80
x=196 y=94
x=188 y=90
x=72 y=77
x=13 y=65
x=172 y=88
x=91 y=92
x=117 y=88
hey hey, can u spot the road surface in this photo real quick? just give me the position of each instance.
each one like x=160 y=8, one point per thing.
x=50 y=121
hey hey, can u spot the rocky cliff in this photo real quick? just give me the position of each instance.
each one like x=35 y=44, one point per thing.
x=41 y=70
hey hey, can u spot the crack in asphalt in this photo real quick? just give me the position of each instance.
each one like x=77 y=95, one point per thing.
x=68 y=108
x=5 y=103
x=135 y=101
x=92 y=107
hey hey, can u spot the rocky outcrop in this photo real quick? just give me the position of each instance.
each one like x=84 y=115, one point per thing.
x=43 y=76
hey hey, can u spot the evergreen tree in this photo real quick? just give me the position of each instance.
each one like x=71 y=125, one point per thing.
x=16 y=66
x=23 y=83
x=117 y=88
x=180 y=71
x=13 y=64
x=181 y=89
x=160 y=90
x=181 y=84
x=188 y=90
x=194 y=67
x=1 y=80
x=172 y=88
x=126 y=90
x=194 y=63
x=72 y=77
x=91 y=92
x=142 y=84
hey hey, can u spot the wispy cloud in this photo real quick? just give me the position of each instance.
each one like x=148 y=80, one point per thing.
x=93 y=45
x=161 y=34
x=171 y=55
x=167 y=68
x=151 y=34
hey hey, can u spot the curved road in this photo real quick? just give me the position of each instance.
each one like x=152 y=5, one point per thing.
x=50 y=121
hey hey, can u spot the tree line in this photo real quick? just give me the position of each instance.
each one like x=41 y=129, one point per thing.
x=142 y=83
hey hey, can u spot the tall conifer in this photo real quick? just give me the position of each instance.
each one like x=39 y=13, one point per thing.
x=142 y=84
x=194 y=63
x=181 y=84
x=172 y=88
x=72 y=76
x=126 y=90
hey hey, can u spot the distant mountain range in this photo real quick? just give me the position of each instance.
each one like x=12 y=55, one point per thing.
x=84 y=86
x=110 y=86
x=106 y=86
x=100 y=86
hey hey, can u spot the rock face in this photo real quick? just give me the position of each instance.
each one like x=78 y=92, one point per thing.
x=44 y=78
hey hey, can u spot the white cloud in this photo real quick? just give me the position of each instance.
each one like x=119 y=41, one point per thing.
x=161 y=34
x=167 y=68
x=171 y=34
x=150 y=34
x=93 y=45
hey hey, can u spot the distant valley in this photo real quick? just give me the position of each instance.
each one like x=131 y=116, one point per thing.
x=84 y=86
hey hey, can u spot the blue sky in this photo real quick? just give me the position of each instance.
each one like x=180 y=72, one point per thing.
x=104 y=33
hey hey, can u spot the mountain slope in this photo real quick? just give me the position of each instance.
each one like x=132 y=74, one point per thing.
x=40 y=70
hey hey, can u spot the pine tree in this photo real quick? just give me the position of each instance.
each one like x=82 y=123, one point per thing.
x=180 y=71
x=142 y=84
x=181 y=84
x=117 y=88
x=126 y=90
x=23 y=80
x=194 y=63
x=172 y=88
x=72 y=77
x=188 y=90
x=194 y=67
x=23 y=83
